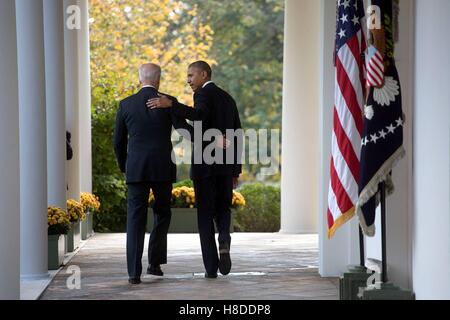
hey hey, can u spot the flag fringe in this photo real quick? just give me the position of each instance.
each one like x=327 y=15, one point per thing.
x=383 y=175
x=343 y=219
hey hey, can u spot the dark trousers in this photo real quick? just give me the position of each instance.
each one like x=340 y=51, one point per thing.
x=213 y=197
x=138 y=196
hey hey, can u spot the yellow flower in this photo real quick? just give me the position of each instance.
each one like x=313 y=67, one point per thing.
x=76 y=210
x=183 y=197
x=56 y=216
x=238 y=200
x=90 y=202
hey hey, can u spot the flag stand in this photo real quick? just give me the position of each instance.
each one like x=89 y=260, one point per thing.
x=356 y=277
x=384 y=276
x=362 y=255
x=385 y=290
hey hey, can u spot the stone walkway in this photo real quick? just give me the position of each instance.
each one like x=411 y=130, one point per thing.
x=265 y=267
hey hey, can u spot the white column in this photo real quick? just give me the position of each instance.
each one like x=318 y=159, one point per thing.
x=336 y=254
x=300 y=170
x=55 y=92
x=33 y=145
x=9 y=161
x=72 y=98
x=85 y=100
x=431 y=176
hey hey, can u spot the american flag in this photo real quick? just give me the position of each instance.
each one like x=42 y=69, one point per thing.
x=375 y=68
x=348 y=114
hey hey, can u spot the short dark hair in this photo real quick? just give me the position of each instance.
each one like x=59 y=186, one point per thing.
x=202 y=66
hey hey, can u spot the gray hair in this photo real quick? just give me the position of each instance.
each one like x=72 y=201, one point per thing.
x=149 y=72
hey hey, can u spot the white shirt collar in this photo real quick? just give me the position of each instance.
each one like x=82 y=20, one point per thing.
x=148 y=86
x=207 y=84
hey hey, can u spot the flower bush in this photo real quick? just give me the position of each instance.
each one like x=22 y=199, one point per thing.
x=76 y=211
x=58 y=221
x=90 y=202
x=184 y=197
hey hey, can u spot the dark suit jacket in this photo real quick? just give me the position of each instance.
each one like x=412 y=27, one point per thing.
x=217 y=110
x=142 y=139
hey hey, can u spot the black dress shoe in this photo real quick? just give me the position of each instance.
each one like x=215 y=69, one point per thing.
x=134 y=281
x=155 y=271
x=225 y=260
x=210 y=275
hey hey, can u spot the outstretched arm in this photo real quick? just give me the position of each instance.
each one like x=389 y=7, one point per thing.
x=200 y=112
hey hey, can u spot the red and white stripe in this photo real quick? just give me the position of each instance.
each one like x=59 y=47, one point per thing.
x=375 y=69
x=347 y=132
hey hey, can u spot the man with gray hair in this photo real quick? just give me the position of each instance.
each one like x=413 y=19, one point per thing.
x=143 y=147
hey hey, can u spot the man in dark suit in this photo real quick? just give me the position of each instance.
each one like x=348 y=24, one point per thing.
x=144 y=151
x=213 y=182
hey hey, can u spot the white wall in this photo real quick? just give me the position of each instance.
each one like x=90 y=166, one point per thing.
x=431 y=240
x=9 y=156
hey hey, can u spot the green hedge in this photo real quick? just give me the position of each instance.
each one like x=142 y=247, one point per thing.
x=108 y=181
x=112 y=192
x=262 y=210
x=261 y=213
x=184 y=183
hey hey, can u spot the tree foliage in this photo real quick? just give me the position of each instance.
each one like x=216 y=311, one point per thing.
x=126 y=33
x=248 y=49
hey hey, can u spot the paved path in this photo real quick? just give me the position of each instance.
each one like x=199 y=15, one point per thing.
x=265 y=267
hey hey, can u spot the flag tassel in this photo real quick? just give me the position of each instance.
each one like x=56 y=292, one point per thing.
x=372 y=188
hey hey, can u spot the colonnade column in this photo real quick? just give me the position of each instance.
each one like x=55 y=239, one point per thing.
x=85 y=99
x=9 y=157
x=33 y=135
x=55 y=92
x=300 y=159
x=72 y=13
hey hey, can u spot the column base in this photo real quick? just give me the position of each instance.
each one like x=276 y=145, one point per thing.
x=297 y=231
x=351 y=282
x=31 y=277
x=386 y=291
